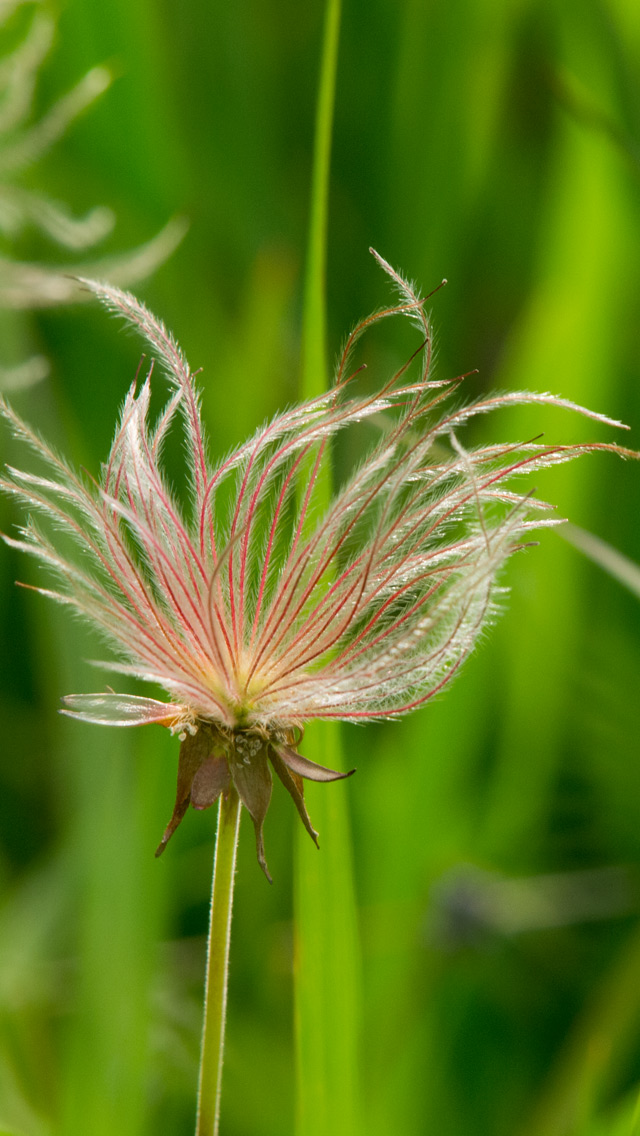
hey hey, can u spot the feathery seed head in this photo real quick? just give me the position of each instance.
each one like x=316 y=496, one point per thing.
x=258 y=618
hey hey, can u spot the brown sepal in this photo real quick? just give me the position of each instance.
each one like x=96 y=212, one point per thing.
x=295 y=787
x=309 y=769
x=197 y=768
x=252 y=778
x=210 y=780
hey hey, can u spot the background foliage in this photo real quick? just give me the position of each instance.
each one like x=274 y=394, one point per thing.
x=496 y=833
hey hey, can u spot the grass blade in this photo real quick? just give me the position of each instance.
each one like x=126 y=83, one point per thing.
x=326 y=944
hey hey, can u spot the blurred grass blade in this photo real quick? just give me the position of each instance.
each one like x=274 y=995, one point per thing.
x=601 y=1043
x=326 y=958
x=326 y=953
x=624 y=570
x=314 y=366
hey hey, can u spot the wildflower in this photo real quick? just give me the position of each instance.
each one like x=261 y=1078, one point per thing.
x=253 y=614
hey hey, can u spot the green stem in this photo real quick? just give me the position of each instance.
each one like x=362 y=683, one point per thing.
x=215 y=994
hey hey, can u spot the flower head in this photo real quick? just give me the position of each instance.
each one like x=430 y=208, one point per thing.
x=252 y=612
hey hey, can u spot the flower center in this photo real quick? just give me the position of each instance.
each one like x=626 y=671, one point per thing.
x=249 y=685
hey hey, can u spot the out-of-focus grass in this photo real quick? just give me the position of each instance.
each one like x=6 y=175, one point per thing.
x=462 y=148
x=327 y=961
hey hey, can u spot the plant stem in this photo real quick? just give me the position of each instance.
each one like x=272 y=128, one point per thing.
x=215 y=994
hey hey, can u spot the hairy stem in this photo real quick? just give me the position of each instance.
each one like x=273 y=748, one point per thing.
x=215 y=995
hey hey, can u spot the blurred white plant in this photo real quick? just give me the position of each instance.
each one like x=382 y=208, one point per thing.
x=257 y=609
x=23 y=142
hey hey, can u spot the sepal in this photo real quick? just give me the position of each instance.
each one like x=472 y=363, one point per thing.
x=252 y=778
x=203 y=774
x=309 y=769
x=295 y=787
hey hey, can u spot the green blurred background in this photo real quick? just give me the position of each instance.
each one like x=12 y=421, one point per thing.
x=494 y=143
